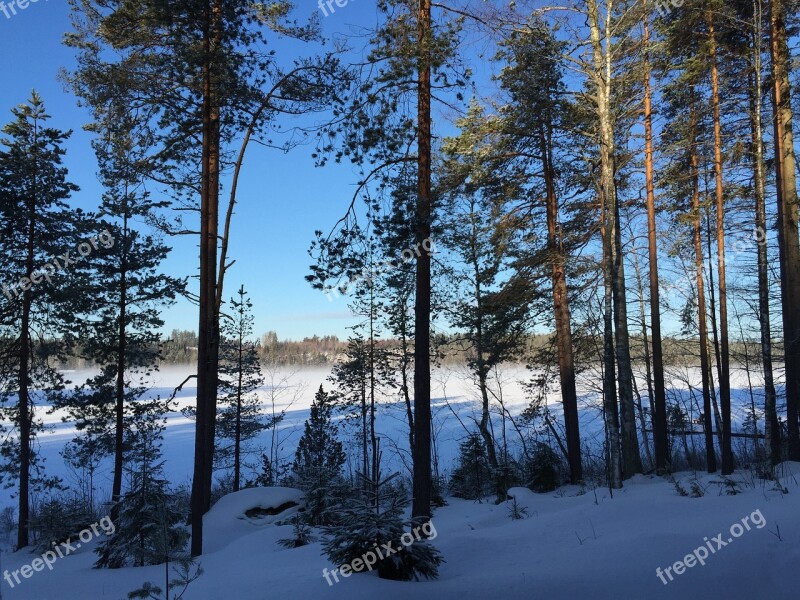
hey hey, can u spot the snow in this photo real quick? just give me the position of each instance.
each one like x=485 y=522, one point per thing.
x=455 y=406
x=575 y=543
x=240 y=513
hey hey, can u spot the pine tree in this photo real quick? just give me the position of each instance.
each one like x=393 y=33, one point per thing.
x=472 y=477
x=150 y=526
x=240 y=419
x=534 y=125
x=788 y=216
x=126 y=293
x=36 y=227
x=319 y=458
x=202 y=85
x=490 y=308
x=411 y=55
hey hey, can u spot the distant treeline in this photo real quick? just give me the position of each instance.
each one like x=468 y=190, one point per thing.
x=180 y=347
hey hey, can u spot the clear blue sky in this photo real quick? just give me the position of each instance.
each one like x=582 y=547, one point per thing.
x=283 y=198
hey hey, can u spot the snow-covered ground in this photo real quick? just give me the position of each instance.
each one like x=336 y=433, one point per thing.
x=455 y=406
x=574 y=543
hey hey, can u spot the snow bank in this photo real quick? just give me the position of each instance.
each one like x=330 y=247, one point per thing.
x=588 y=544
x=241 y=513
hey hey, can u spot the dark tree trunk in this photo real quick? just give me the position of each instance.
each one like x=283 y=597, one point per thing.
x=25 y=353
x=705 y=367
x=601 y=63
x=208 y=330
x=788 y=242
x=119 y=408
x=631 y=456
x=724 y=365
x=771 y=426
x=422 y=484
x=660 y=434
x=566 y=358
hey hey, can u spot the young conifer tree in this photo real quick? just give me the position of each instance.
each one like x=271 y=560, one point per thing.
x=240 y=419
x=319 y=458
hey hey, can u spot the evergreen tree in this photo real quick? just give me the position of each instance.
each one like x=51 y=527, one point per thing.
x=412 y=61
x=126 y=293
x=37 y=228
x=150 y=526
x=240 y=419
x=534 y=123
x=202 y=84
x=367 y=523
x=490 y=307
x=319 y=458
x=472 y=477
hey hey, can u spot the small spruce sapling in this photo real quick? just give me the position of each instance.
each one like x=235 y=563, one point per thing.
x=373 y=520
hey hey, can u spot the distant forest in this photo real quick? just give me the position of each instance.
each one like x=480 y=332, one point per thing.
x=180 y=347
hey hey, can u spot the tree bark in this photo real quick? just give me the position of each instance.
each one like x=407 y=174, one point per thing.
x=601 y=74
x=422 y=484
x=705 y=366
x=631 y=455
x=724 y=370
x=788 y=243
x=25 y=353
x=566 y=358
x=119 y=408
x=208 y=330
x=771 y=426
x=660 y=434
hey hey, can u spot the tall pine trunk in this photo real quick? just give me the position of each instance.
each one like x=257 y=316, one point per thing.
x=724 y=351
x=208 y=330
x=422 y=484
x=601 y=75
x=705 y=366
x=771 y=426
x=119 y=407
x=660 y=435
x=631 y=455
x=25 y=353
x=788 y=242
x=566 y=358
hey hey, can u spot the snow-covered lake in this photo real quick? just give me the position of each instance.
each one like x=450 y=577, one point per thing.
x=456 y=407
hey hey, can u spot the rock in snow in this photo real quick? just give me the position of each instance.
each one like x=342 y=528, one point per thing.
x=243 y=512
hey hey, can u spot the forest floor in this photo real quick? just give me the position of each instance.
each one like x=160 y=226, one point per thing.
x=573 y=543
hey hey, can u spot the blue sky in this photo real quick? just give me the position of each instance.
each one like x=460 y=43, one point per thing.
x=283 y=198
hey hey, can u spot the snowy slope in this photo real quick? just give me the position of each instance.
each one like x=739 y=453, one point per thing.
x=573 y=544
